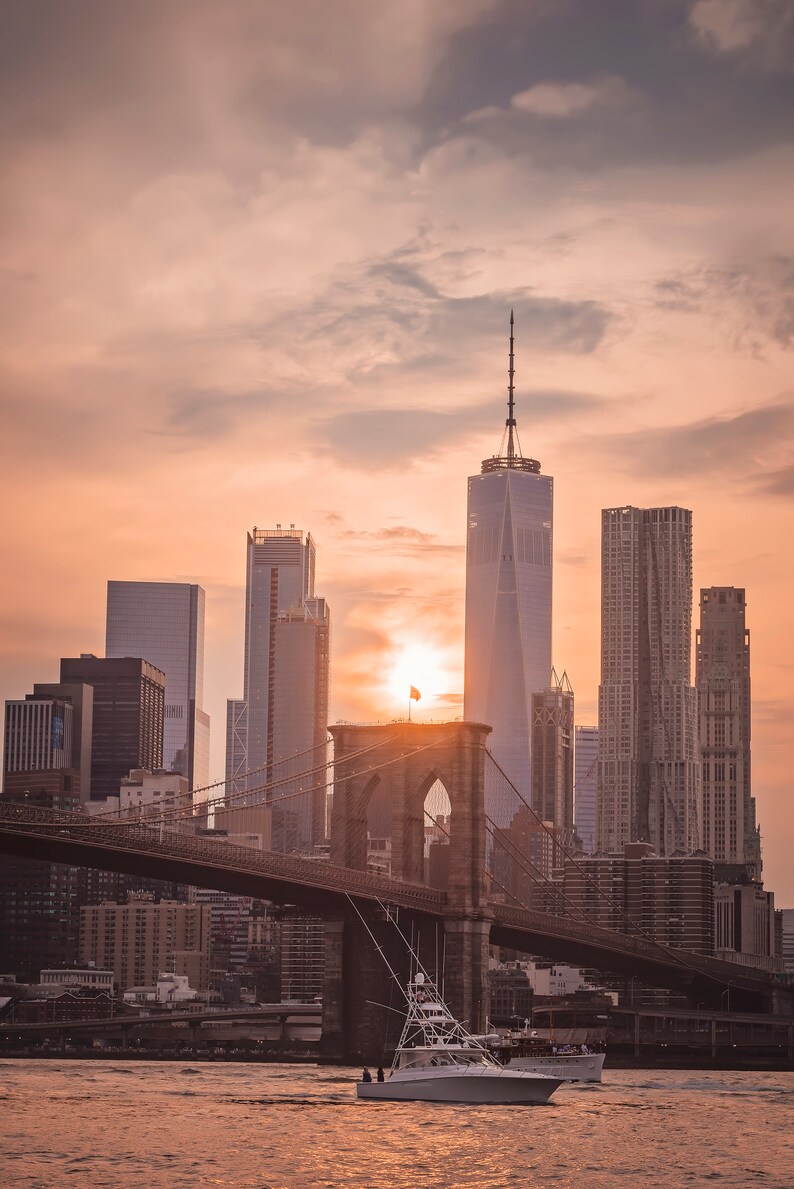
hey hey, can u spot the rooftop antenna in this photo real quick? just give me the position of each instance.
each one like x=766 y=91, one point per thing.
x=510 y=457
x=511 y=421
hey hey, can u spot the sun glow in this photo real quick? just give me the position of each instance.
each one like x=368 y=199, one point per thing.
x=423 y=666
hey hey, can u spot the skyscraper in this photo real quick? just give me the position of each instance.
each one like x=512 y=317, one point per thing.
x=649 y=766
x=81 y=699
x=584 y=797
x=722 y=676
x=552 y=754
x=284 y=709
x=163 y=622
x=508 y=596
x=38 y=735
x=129 y=699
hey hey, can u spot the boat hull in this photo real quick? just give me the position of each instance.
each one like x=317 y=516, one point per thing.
x=491 y=1087
x=580 y=1067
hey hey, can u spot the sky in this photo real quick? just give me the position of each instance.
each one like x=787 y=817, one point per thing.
x=256 y=268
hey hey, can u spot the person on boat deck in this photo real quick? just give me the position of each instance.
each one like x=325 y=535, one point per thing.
x=366 y=1075
x=381 y=1076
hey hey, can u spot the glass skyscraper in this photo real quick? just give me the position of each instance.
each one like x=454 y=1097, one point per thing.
x=508 y=598
x=163 y=622
x=585 y=777
x=284 y=708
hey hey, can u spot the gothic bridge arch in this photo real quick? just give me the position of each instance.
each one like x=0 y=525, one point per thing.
x=409 y=758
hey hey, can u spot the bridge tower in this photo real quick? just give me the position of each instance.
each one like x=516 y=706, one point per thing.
x=395 y=765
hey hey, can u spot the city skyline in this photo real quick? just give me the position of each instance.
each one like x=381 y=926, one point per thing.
x=243 y=293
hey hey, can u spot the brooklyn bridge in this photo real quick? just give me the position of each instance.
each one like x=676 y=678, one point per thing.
x=481 y=905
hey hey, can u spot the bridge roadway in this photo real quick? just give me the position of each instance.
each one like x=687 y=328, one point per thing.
x=328 y=889
x=267 y=1013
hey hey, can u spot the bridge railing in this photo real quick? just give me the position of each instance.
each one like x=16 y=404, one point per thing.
x=543 y=922
x=316 y=873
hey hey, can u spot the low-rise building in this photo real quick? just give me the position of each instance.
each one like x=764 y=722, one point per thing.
x=76 y=978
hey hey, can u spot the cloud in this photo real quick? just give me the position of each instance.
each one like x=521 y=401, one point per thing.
x=777 y=483
x=211 y=413
x=378 y=439
x=562 y=100
x=402 y=541
x=760 y=29
x=754 y=301
x=741 y=444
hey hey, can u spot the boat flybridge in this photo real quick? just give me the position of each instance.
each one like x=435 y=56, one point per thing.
x=437 y=1060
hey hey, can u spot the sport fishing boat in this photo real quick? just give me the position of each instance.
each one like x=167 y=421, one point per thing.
x=437 y=1060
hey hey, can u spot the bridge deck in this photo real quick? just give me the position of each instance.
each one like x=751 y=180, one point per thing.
x=327 y=889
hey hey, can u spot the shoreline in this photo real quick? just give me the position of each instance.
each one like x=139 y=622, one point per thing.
x=617 y=1061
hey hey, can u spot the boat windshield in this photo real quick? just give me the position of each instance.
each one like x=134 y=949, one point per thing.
x=431 y=1058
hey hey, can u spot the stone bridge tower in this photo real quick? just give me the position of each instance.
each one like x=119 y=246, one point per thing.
x=395 y=765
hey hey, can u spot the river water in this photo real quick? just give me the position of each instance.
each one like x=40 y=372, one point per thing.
x=163 y=1125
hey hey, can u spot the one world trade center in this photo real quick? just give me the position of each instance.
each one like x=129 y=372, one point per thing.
x=508 y=597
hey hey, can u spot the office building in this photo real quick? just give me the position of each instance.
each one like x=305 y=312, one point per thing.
x=40 y=901
x=128 y=713
x=81 y=699
x=648 y=786
x=585 y=764
x=786 y=919
x=278 y=729
x=508 y=599
x=722 y=678
x=163 y=622
x=141 y=939
x=744 y=924
x=154 y=795
x=38 y=735
x=552 y=755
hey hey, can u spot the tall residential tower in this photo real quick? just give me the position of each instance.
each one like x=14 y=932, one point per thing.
x=722 y=675
x=648 y=766
x=508 y=597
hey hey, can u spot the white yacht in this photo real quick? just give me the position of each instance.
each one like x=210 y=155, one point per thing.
x=437 y=1060
x=568 y=1067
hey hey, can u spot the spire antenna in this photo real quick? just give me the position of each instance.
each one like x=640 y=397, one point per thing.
x=510 y=457
x=511 y=421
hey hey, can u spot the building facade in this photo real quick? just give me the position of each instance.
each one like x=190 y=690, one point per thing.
x=722 y=677
x=648 y=785
x=552 y=755
x=128 y=716
x=163 y=622
x=38 y=735
x=508 y=599
x=141 y=939
x=585 y=778
x=278 y=729
x=40 y=902
x=642 y=893
x=744 y=916
x=81 y=698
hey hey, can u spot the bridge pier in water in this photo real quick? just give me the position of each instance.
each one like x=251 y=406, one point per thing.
x=409 y=758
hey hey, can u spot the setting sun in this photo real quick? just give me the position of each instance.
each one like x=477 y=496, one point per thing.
x=423 y=666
